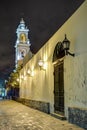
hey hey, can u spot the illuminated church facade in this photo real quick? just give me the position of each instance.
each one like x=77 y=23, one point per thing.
x=54 y=80
x=22 y=46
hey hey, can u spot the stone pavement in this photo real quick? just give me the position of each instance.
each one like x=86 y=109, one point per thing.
x=16 y=116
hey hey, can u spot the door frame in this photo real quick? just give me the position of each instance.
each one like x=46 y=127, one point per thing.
x=61 y=111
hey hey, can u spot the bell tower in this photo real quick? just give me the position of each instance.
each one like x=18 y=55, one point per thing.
x=22 y=46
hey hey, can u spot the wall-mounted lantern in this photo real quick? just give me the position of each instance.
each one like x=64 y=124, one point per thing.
x=66 y=46
x=17 y=79
x=25 y=77
x=30 y=72
x=42 y=64
x=22 y=77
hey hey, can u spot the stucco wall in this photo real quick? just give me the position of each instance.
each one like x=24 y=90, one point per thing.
x=41 y=85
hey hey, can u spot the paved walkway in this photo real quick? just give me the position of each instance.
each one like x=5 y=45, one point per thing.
x=15 y=116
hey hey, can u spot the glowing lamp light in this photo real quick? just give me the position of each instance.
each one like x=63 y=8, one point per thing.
x=30 y=72
x=22 y=77
x=18 y=79
x=25 y=77
x=45 y=66
x=42 y=64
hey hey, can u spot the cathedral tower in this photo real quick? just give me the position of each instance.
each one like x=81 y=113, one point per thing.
x=22 y=45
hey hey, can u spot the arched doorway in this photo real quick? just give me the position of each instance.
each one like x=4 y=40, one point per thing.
x=59 y=88
x=58 y=79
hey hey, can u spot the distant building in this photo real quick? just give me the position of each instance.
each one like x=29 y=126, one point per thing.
x=22 y=46
x=54 y=80
x=2 y=89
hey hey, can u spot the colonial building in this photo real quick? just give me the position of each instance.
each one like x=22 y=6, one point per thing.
x=54 y=80
x=22 y=46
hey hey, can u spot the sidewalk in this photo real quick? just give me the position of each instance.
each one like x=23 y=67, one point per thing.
x=15 y=116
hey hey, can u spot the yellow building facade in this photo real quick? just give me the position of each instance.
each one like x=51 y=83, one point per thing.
x=37 y=78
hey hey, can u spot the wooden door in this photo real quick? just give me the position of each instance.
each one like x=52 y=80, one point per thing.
x=59 y=88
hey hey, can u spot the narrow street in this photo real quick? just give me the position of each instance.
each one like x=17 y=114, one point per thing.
x=15 y=116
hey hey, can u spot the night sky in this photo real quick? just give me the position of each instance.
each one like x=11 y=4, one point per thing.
x=42 y=17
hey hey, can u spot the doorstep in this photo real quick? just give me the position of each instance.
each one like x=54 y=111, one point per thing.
x=58 y=116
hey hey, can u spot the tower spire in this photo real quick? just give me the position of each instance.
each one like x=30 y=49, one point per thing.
x=22 y=21
x=22 y=43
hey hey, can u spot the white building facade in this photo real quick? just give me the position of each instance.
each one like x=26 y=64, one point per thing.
x=22 y=46
x=60 y=82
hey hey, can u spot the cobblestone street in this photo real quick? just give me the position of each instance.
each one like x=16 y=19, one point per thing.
x=15 y=116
